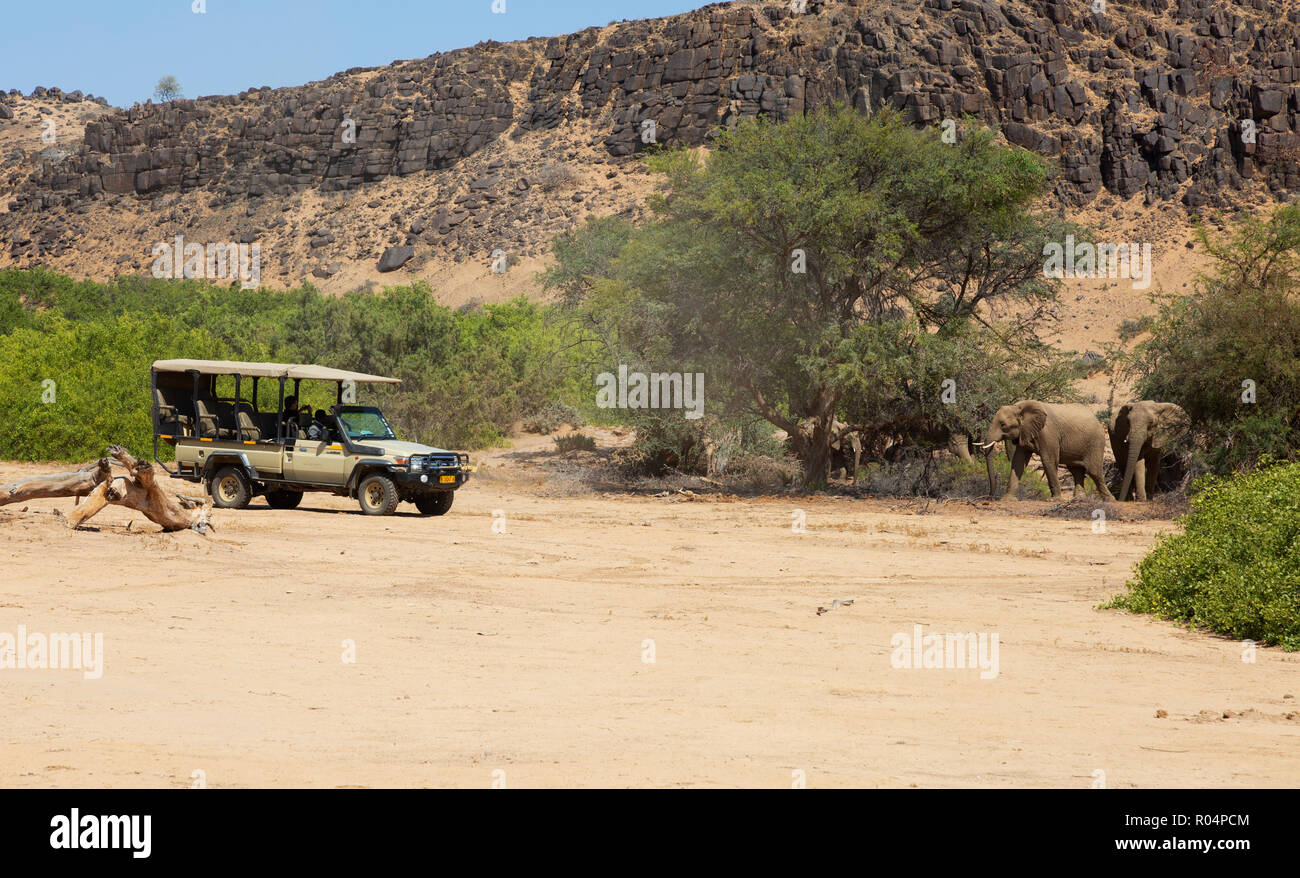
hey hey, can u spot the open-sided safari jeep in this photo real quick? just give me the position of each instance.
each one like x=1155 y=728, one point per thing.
x=210 y=412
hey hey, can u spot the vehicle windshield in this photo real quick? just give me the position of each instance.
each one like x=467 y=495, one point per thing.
x=366 y=424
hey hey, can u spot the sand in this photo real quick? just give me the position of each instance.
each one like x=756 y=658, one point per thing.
x=519 y=658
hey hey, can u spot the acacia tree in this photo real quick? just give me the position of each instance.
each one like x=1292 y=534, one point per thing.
x=168 y=89
x=1229 y=353
x=797 y=261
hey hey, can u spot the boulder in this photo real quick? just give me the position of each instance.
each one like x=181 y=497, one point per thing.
x=395 y=257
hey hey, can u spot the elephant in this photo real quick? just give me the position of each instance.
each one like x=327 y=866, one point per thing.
x=846 y=447
x=959 y=444
x=846 y=453
x=904 y=435
x=1068 y=435
x=1139 y=435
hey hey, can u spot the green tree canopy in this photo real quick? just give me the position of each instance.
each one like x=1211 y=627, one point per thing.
x=833 y=265
x=1230 y=353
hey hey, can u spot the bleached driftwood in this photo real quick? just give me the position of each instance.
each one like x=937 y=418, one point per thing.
x=138 y=488
x=76 y=483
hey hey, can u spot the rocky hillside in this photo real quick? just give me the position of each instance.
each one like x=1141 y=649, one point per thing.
x=430 y=166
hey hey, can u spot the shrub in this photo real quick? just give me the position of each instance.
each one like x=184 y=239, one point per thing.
x=574 y=442
x=466 y=376
x=1235 y=568
x=923 y=476
x=100 y=389
x=741 y=445
x=666 y=443
x=553 y=176
x=1230 y=353
x=552 y=417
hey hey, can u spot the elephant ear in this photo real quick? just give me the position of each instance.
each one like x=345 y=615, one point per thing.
x=1033 y=417
x=1170 y=424
x=1121 y=423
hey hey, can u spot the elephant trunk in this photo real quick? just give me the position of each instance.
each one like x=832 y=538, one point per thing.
x=989 y=450
x=990 y=442
x=1137 y=437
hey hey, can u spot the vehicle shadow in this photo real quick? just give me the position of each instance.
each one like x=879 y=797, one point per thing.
x=401 y=513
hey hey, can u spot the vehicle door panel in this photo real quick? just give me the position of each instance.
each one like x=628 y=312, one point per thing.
x=312 y=461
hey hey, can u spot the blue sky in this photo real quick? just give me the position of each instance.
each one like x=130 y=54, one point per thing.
x=120 y=48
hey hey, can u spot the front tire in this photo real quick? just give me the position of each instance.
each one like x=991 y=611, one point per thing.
x=284 y=499
x=435 y=504
x=378 y=495
x=229 y=488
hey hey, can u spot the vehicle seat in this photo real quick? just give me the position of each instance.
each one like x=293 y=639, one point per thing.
x=266 y=423
x=226 y=418
x=252 y=433
x=209 y=424
x=171 y=419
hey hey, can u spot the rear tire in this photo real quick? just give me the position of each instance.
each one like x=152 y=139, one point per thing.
x=378 y=495
x=229 y=488
x=284 y=499
x=435 y=504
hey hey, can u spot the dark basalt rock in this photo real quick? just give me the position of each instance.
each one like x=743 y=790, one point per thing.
x=395 y=257
x=1050 y=75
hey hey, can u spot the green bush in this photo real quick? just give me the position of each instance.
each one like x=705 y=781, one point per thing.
x=100 y=384
x=552 y=417
x=1229 y=353
x=466 y=376
x=1235 y=568
x=668 y=442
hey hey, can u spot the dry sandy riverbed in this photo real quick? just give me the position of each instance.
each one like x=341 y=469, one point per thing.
x=479 y=653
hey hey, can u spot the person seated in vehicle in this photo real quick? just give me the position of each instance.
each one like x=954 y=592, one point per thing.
x=319 y=429
x=291 y=417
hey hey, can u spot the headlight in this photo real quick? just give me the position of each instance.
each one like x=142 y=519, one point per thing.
x=415 y=463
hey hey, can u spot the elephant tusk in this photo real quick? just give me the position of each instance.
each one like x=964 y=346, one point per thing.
x=987 y=445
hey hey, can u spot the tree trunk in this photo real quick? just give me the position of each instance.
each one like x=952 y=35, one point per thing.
x=813 y=446
x=71 y=484
x=138 y=489
x=818 y=464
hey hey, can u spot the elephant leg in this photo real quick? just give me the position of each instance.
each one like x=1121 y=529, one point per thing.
x=1140 y=479
x=1153 y=473
x=1018 y=463
x=1096 y=470
x=1077 y=474
x=1050 y=466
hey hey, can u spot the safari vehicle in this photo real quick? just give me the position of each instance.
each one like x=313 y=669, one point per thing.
x=239 y=451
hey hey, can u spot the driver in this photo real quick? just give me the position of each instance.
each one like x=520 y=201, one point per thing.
x=319 y=428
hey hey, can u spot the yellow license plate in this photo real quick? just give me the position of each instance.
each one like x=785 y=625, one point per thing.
x=447 y=480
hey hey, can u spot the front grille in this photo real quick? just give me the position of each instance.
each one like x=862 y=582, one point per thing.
x=435 y=462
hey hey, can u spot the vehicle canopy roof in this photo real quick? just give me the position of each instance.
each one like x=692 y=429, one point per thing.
x=270 y=370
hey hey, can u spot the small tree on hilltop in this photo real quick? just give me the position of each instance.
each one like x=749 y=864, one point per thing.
x=168 y=89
